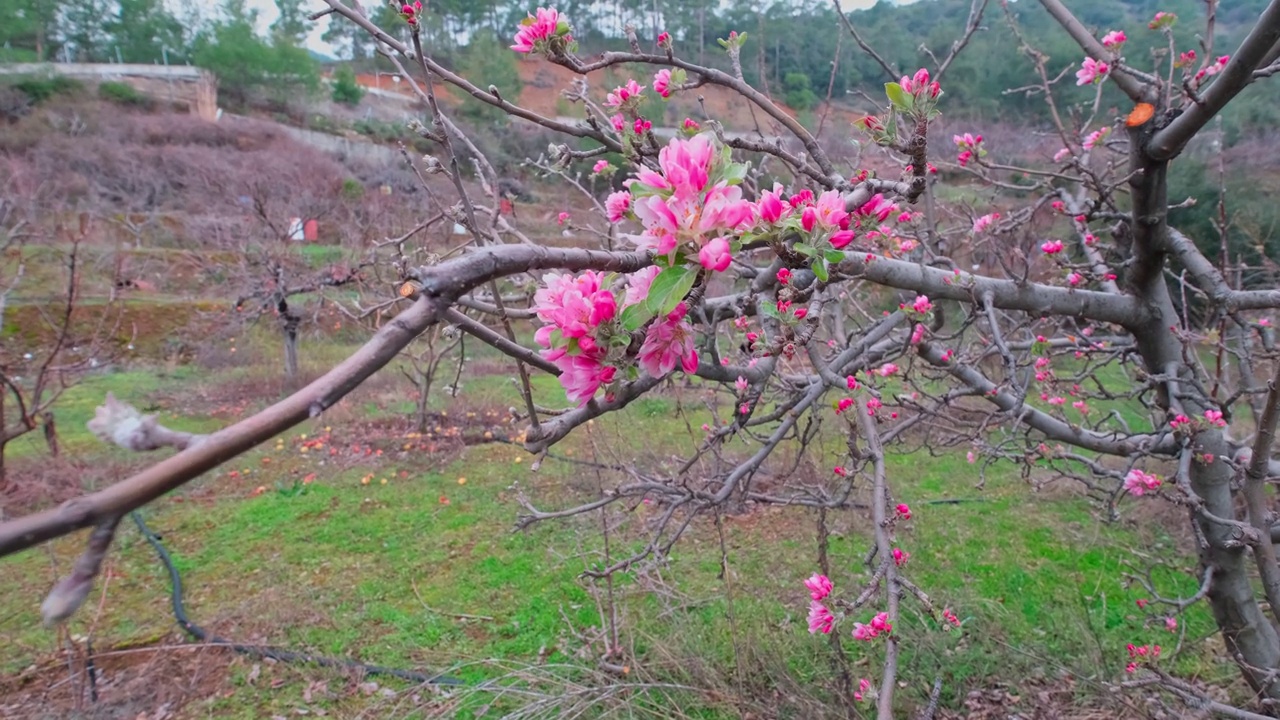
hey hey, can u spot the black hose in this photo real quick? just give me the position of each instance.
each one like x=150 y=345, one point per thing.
x=260 y=651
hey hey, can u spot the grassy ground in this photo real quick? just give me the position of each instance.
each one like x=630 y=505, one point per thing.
x=356 y=538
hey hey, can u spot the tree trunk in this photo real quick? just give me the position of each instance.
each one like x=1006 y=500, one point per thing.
x=1250 y=637
x=290 y=327
x=51 y=434
x=424 y=387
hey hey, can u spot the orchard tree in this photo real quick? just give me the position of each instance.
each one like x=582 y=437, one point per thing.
x=806 y=298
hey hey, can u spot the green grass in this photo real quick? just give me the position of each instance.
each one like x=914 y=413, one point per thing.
x=383 y=572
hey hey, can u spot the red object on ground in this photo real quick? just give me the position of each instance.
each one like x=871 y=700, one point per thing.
x=505 y=207
x=310 y=230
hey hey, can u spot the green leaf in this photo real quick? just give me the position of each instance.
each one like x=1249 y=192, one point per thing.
x=669 y=288
x=833 y=256
x=805 y=249
x=897 y=96
x=633 y=316
x=819 y=268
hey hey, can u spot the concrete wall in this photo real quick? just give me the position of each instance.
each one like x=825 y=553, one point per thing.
x=182 y=84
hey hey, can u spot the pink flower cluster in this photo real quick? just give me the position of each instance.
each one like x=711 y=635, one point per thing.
x=919 y=85
x=969 y=146
x=538 y=29
x=820 y=618
x=689 y=201
x=864 y=685
x=1052 y=247
x=984 y=222
x=620 y=95
x=1114 y=39
x=1140 y=653
x=1138 y=482
x=1091 y=71
x=879 y=625
x=1095 y=137
x=1162 y=20
x=574 y=308
x=410 y=13
x=1213 y=69
x=669 y=341
x=662 y=82
x=1215 y=418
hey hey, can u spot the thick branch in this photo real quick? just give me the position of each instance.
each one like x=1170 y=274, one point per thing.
x=1238 y=73
x=1137 y=90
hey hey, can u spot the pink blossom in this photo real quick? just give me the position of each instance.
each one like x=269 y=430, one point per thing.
x=886 y=370
x=770 y=207
x=851 y=382
x=1091 y=71
x=641 y=126
x=873 y=405
x=877 y=207
x=743 y=409
x=863 y=686
x=1074 y=279
x=864 y=632
x=1137 y=482
x=1052 y=247
x=917 y=334
x=683 y=165
x=622 y=94
x=410 y=12
x=638 y=284
x=574 y=305
x=880 y=623
x=562 y=218
x=740 y=384
x=662 y=82
x=984 y=222
x=801 y=313
x=600 y=166
x=784 y=276
x=1082 y=406
x=819 y=586
x=971 y=457
x=1142 y=603
x=691 y=125
x=919 y=85
x=903 y=510
x=900 y=557
x=950 y=617
x=820 y=618
x=1062 y=154
x=1179 y=421
x=617 y=204
x=1094 y=138
x=922 y=304
x=1114 y=39
x=1162 y=20
x=1186 y=59
x=1215 y=418
x=668 y=342
x=843 y=404
x=664 y=39
x=539 y=27
x=715 y=255
x=1057 y=400
x=1171 y=624
x=841 y=238
x=1264 y=322
x=582 y=375
x=619 y=122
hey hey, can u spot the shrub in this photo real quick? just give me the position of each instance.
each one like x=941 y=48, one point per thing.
x=345 y=89
x=40 y=89
x=123 y=94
